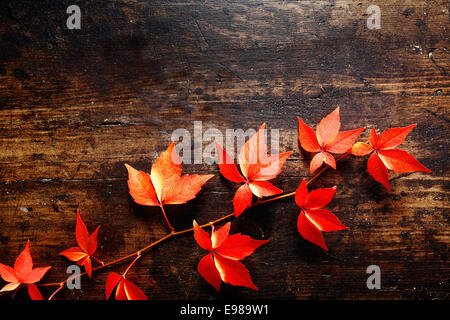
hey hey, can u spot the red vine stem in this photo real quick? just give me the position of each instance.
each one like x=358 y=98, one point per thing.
x=131 y=264
x=165 y=217
x=57 y=290
x=174 y=233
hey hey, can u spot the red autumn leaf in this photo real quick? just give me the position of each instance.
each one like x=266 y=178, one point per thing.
x=87 y=245
x=34 y=292
x=326 y=140
x=361 y=149
x=222 y=263
x=164 y=184
x=384 y=155
x=257 y=168
x=125 y=290
x=23 y=273
x=313 y=220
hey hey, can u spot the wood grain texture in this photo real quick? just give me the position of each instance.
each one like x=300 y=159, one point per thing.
x=75 y=105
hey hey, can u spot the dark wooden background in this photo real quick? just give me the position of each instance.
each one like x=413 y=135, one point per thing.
x=75 y=105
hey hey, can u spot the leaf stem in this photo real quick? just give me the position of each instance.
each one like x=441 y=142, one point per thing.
x=98 y=260
x=165 y=217
x=56 y=291
x=131 y=264
x=174 y=233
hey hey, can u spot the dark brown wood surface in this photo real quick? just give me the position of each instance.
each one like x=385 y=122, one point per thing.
x=75 y=105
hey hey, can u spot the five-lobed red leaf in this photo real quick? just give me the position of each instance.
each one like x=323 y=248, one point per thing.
x=326 y=140
x=125 y=289
x=165 y=184
x=222 y=264
x=384 y=155
x=256 y=167
x=313 y=220
x=87 y=246
x=23 y=273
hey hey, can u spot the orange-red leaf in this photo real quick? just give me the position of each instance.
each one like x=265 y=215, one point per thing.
x=361 y=149
x=233 y=272
x=329 y=160
x=202 y=237
x=252 y=152
x=301 y=194
x=242 y=199
x=324 y=220
x=227 y=167
x=238 y=246
x=35 y=275
x=111 y=282
x=378 y=170
x=164 y=185
x=87 y=264
x=326 y=140
x=256 y=167
x=391 y=138
x=264 y=189
x=343 y=141
x=8 y=274
x=400 y=161
x=132 y=292
x=81 y=233
x=88 y=246
x=23 y=272
x=141 y=187
x=328 y=128
x=74 y=254
x=313 y=220
x=10 y=286
x=310 y=232
x=126 y=290
x=388 y=158
x=92 y=243
x=207 y=269
x=24 y=262
x=273 y=166
x=221 y=264
x=307 y=137
x=373 y=138
x=34 y=292
x=316 y=162
x=185 y=188
x=219 y=236
x=165 y=166
x=319 y=198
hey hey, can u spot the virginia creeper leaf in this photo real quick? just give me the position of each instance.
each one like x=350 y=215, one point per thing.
x=23 y=272
x=87 y=246
x=256 y=167
x=400 y=161
x=125 y=289
x=222 y=264
x=164 y=185
x=242 y=199
x=391 y=138
x=385 y=156
x=328 y=128
x=361 y=149
x=378 y=170
x=313 y=220
x=34 y=292
x=326 y=140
